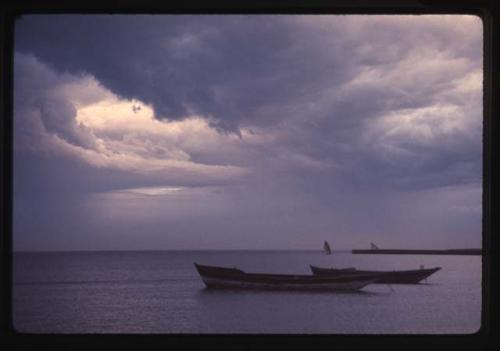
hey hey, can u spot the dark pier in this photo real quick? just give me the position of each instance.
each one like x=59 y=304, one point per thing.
x=476 y=252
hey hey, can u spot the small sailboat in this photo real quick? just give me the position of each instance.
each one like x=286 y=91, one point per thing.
x=374 y=247
x=327 y=249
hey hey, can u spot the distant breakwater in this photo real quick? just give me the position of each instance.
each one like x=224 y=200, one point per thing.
x=419 y=252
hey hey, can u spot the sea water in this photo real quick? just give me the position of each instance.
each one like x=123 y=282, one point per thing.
x=161 y=292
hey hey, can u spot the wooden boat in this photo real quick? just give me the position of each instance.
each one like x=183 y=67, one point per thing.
x=233 y=278
x=390 y=277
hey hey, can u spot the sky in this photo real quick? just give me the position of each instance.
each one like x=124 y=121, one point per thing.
x=194 y=132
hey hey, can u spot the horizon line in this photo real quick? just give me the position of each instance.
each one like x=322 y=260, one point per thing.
x=217 y=249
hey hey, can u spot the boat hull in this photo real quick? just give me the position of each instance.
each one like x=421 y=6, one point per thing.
x=389 y=277
x=217 y=283
x=227 y=278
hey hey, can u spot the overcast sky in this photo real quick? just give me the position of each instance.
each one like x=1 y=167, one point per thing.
x=247 y=132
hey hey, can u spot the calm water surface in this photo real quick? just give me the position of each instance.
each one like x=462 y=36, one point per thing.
x=160 y=292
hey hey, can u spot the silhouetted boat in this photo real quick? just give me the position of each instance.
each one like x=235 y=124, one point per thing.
x=233 y=278
x=389 y=277
x=374 y=247
x=327 y=249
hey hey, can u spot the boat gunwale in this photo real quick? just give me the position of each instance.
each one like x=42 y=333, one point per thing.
x=361 y=271
x=390 y=277
x=239 y=275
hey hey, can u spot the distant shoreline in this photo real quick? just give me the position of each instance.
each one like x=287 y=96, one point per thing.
x=477 y=252
x=172 y=250
x=379 y=251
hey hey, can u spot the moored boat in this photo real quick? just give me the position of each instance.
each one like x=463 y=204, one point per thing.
x=233 y=278
x=389 y=277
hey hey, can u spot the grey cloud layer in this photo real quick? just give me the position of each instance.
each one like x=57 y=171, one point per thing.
x=349 y=110
x=46 y=124
x=321 y=79
x=41 y=105
x=236 y=67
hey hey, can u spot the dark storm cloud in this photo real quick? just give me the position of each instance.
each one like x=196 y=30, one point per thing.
x=46 y=105
x=345 y=121
x=225 y=67
x=324 y=78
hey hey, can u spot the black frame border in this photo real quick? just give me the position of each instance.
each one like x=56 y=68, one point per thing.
x=487 y=10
